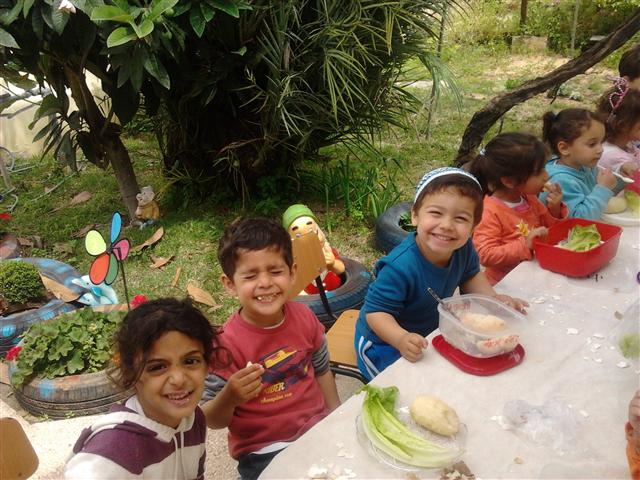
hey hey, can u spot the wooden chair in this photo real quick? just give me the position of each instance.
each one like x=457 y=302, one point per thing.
x=18 y=460
x=307 y=254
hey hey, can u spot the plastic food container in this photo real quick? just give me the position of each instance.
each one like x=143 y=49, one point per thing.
x=576 y=264
x=480 y=343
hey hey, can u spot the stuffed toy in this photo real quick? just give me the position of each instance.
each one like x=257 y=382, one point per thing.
x=148 y=211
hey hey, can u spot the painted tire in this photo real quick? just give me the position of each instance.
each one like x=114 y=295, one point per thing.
x=73 y=395
x=9 y=246
x=13 y=326
x=349 y=295
x=389 y=233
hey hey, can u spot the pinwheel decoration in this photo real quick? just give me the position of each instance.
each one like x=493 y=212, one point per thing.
x=105 y=267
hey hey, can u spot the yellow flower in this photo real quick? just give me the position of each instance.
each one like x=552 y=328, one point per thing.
x=523 y=228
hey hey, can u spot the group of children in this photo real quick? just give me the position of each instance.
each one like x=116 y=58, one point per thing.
x=267 y=368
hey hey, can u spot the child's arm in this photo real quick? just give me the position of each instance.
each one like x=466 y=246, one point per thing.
x=494 y=250
x=480 y=285
x=385 y=326
x=329 y=390
x=589 y=205
x=242 y=386
x=555 y=208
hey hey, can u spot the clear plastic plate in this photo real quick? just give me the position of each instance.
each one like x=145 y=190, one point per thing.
x=456 y=442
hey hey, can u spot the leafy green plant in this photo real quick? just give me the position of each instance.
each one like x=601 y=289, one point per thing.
x=20 y=282
x=405 y=222
x=73 y=343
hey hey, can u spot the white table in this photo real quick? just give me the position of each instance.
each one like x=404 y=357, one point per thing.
x=556 y=366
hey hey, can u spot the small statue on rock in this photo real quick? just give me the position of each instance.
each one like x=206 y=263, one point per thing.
x=148 y=211
x=299 y=220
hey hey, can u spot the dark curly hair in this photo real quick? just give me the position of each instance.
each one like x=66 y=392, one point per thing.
x=252 y=234
x=629 y=65
x=145 y=324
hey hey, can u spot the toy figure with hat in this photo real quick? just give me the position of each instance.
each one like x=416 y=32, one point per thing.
x=299 y=220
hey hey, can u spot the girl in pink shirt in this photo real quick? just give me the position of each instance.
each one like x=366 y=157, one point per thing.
x=619 y=109
x=511 y=170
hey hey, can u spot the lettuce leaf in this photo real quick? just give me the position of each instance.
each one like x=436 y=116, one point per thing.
x=387 y=433
x=633 y=201
x=581 y=238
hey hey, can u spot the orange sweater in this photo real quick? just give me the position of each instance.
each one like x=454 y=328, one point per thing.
x=500 y=238
x=633 y=452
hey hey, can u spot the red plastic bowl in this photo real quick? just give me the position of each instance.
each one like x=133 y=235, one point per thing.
x=576 y=264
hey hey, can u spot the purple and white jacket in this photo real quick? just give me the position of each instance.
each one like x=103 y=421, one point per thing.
x=125 y=444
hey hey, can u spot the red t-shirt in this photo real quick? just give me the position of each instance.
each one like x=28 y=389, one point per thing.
x=291 y=401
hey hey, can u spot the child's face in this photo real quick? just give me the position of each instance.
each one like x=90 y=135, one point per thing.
x=586 y=149
x=261 y=282
x=172 y=380
x=302 y=226
x=535 y=183
x=444 y=223
x=635 y=83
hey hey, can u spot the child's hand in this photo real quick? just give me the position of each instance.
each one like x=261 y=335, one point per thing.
x=554 y=198
x=606 y=178
x=411 y=346
x=245 y=384
x=514 y=302
x=634 y=413
x=533 y=233
x=628 y=169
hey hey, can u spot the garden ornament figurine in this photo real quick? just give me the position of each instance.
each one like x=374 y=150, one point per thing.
x=299 y=220
x=101 y=294
x=148 y=211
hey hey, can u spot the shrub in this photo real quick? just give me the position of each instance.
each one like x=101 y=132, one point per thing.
x=19 y=282
x=73 y=343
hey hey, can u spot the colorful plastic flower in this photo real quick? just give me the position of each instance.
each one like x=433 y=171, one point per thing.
x=105 y=267
x=138 y=300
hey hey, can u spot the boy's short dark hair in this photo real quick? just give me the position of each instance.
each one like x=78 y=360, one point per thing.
x=252 y=234
x=629 y=65
x=462 y=184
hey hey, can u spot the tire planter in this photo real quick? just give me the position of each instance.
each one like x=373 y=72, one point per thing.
x=388 y=231
x=347 y=296
x=13 y=326
x=85 y=394
x=9 y=246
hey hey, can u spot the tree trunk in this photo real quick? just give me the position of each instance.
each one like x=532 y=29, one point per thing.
x=484 y=119
x=118 y=155
x=106 y=136
x=523 y=12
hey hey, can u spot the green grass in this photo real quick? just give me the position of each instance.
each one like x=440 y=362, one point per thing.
x=192 y=229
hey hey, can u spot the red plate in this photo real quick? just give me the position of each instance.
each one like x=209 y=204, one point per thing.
x=478 y=366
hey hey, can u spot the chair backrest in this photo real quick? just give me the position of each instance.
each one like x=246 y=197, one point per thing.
x=18 y=460
x=307 y=254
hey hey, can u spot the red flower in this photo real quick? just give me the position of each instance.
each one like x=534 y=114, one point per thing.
x=13 y=353
x=138 y=300
x=5 y=216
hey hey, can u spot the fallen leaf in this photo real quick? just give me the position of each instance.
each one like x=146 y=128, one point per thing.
x=59 y=290
x=62 y=248
x=37 y=241
x=153 y=239
x=176 y=276
x=49 y=189
x=200 y=295
x=117 y=307
x=159 y=262
x=25 y=242
x=84 y=230
x=80 y=198
x=213 y=309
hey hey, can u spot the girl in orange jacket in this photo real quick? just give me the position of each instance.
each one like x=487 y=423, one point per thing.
x=511 y=171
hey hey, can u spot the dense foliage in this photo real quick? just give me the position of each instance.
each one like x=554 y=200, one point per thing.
x=19 y=282
x=73 y=343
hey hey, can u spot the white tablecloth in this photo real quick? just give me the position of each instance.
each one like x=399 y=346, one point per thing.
x=567 y=368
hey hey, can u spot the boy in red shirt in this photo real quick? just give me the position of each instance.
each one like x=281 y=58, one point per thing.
x=278 y=383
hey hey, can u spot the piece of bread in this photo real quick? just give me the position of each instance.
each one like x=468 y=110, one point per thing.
x=482 y=322
x=435 y=415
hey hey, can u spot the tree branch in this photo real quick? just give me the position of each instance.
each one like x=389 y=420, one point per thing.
x=484 y=119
